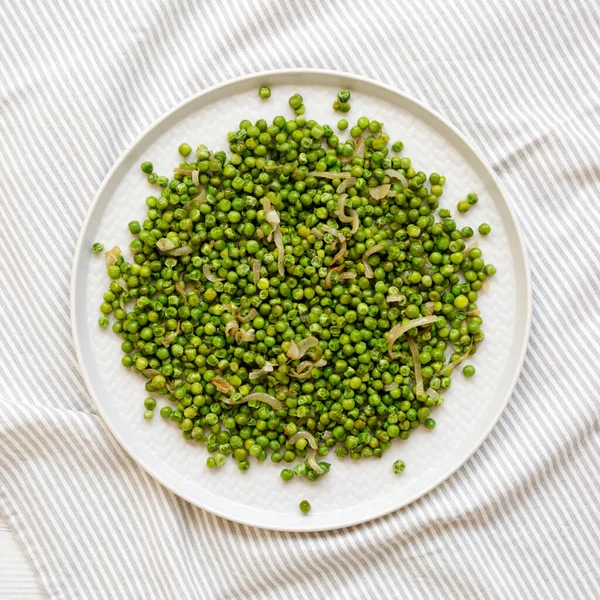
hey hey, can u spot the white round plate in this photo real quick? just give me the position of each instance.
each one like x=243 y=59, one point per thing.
x=353 y=491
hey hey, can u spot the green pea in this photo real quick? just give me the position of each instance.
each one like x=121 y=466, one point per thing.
x=287 y=474
x=469 y=371
x=106 y=308
x=295 y=101
x=134 y=227
x=363 y=123
x=264 y=92
x=185 y=149
x=343 y=95
x=399 y=466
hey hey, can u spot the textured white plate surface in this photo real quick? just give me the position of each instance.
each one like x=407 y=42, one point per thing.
x=353 y=491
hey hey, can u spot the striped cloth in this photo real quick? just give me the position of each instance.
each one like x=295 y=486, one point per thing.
x=80 y=80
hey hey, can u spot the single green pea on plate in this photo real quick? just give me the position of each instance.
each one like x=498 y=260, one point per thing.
x=353 y=491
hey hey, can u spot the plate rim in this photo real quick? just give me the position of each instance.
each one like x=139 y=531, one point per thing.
x=261 y=75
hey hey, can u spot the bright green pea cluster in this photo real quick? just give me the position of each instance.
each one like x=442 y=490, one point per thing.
x=206 y=258
x=342 y=103
x=464 y=205
x=297 y=103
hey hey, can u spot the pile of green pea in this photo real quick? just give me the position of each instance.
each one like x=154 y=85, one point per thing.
x=172 y=309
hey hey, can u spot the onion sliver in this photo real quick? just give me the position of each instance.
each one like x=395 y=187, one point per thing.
x=184 y=172
x=332 y=231
x=309 y=437
x=180 y=251
x=272 y=217
x=261 y=397
x=209 y=274
x=329 y=273
x=268 y=368
x=398 y=330
x=428 y=308
x=251 y=315
x=256 y=264
x=433 y=393
x=301 y=369
x=266 y=398
x=150 y=373
x=297 y=351
x=417 y=364
x=311 y=461
x=393 y=174
x=355 y=222
x=340 y=211
x=365 y=256
x=165 y=244
x=352 y=217
x=222 y=385
x=112 y=256
x=123 y=284
x=380 y=192
x=358 y=150
x=340 y=254
x=244 y=335
x=330 y=174
x=347 y=183
x=201 y=197
x=448 y=368
x=168 y=339
x=280 y=252
x=305 y=368
x=232 y=326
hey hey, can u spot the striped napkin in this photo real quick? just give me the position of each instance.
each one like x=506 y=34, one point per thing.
x=80 y=80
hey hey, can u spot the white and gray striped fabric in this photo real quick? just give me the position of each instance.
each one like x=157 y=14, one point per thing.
x=80 y=80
